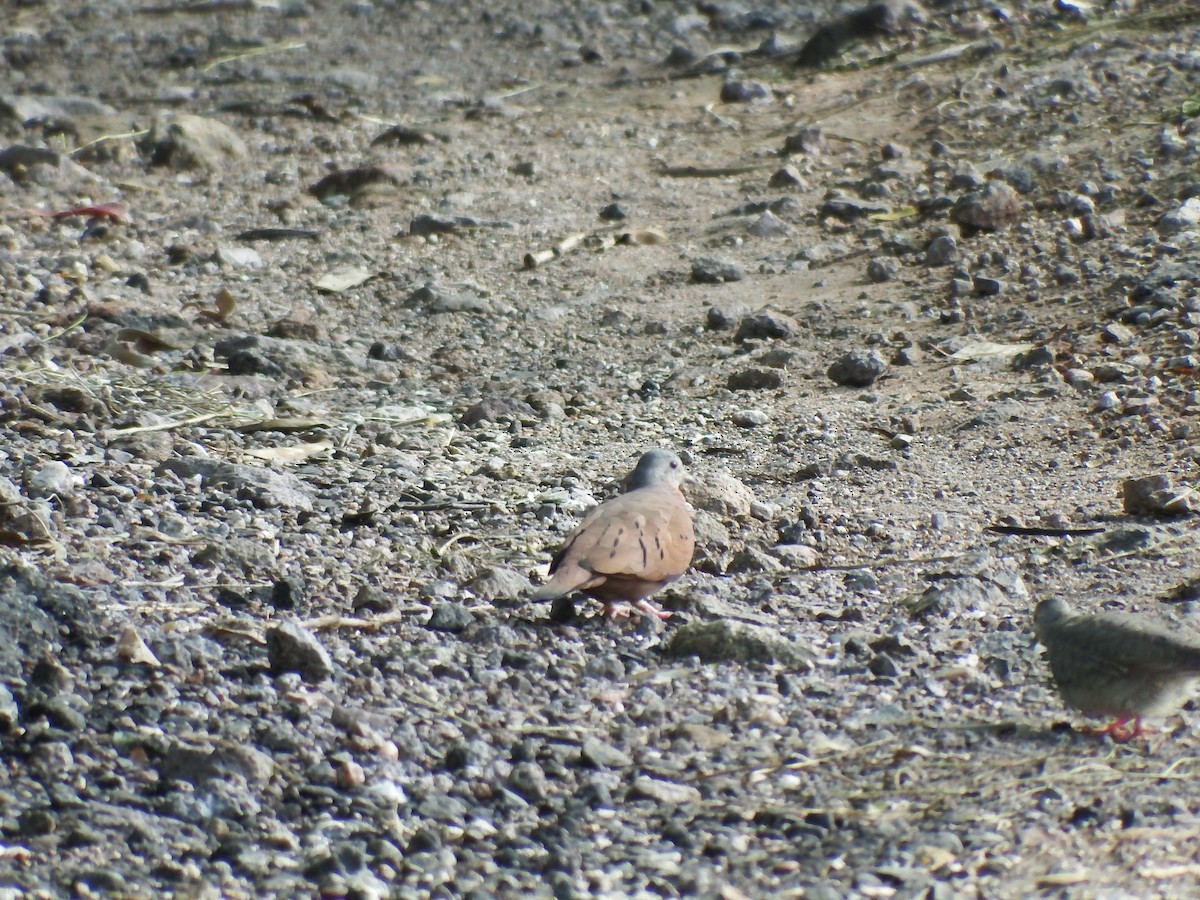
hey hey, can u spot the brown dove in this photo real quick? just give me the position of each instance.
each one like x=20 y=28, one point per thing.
x=631 y=546
x=1117 y=664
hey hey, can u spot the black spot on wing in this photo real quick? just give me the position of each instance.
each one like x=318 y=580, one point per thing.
x=559 y=556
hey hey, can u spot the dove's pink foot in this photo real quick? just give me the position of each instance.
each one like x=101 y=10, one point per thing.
x=624 y=610
x=1123 y=730
x=651 y=610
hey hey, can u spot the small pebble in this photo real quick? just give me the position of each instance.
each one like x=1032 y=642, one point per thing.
x=749 y=418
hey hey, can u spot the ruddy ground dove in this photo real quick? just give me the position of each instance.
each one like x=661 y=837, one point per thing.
x=1117 y=664
x=631 y=546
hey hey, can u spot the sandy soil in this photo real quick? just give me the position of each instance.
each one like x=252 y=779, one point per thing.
x=273 y=501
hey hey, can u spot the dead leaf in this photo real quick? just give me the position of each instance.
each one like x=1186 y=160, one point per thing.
x=894 y=215
x=223 y=630
x=133 y=649
x=226 y=306
x=340 y=280
x=988 y=350
x=935 y=858
x=1154 y=873
x=146 y=341
x=129 y=356
x=643 y=237
x=1062 y=879
x=112 y=211
x=294 y=453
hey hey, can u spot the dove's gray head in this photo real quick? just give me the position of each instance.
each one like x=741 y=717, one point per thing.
x=1049 y=612
x=658 y=468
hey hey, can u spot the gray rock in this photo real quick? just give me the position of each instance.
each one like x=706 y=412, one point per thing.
x=1126 y=539
x=187 y=141
x=150 y=446
x=499 y=583
x=990 y=208
x=21 y=519
x=27 y=109
x=52 y=479
x=442 y=808
x=606 y=666
x=753 y=560
x=730 y=641
x=960 y=287
x=235 y=555
x=854 y=459
x=776 y=358
x=710 y=270
x=720 y=493
x=9 y=712
x=265 y=488
x=988 y=287
x=881 y=269
x=754 y=379
x=767 y=325
x=436 y=300
x=882 y=666
x=723 y=316
x=957 y=595
x=239 y=257
x=942 y=251
x=846 y=209
x=198 y=765
x=1155 y=495
x=293 y=648
x=787 y=178
x=810 y=140
x=451 y=617
x=1037 y=358
x=528 y=781
x=668 y=793
x=20 y=157
x=823 y=252
x=749 y=418
x=714 y=543
x=424 y=225
x=490 y=409
x=1116 y=333
x=743 y=90
x=38 y=165
x=594 y=752
x=858 y=368
x=38 y=618
x=797 y=556
x=614 y=212
x=768 y=225
x=1179 y=219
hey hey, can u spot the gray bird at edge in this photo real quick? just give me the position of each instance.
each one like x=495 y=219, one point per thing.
x=1117 y=664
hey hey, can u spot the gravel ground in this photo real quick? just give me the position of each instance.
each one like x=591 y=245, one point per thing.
x=315 y=342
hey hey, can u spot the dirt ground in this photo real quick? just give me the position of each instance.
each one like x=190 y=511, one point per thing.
x=321 y=324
